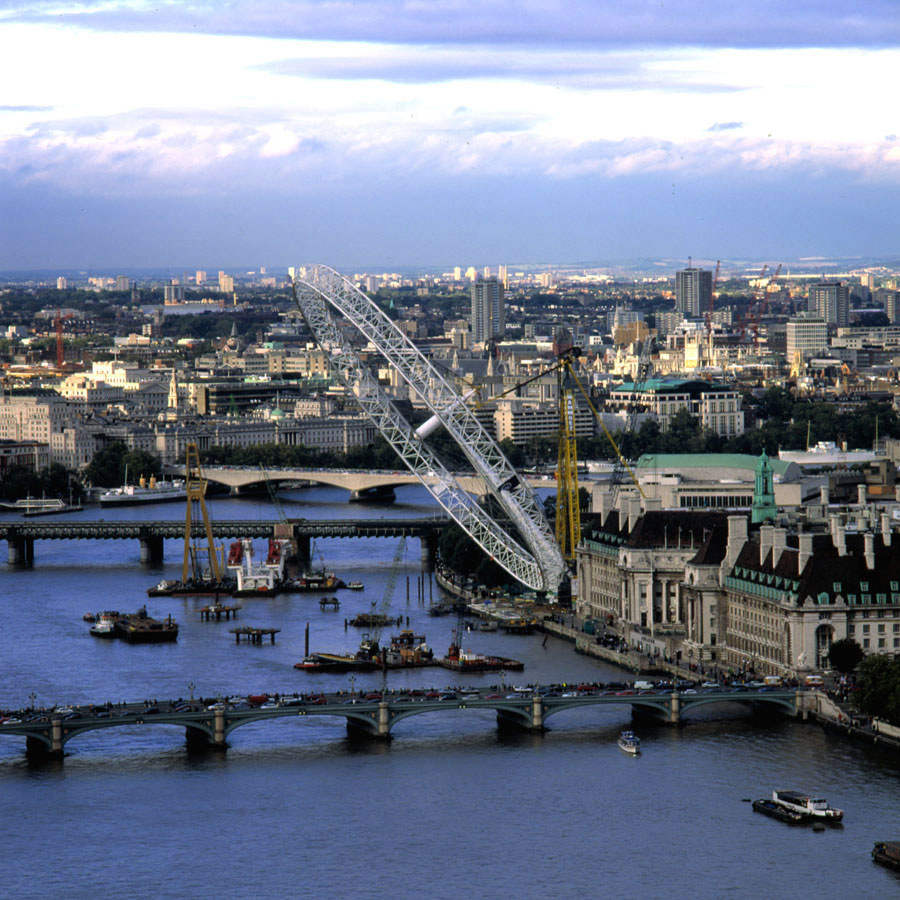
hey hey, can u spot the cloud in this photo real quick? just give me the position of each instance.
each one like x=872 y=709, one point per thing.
x=26 y=108
x=607 y=23
x=725 y=126
x=588 y=70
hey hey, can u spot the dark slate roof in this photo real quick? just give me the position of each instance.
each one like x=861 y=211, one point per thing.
x=714 y=547
x=659 y=528
x=828 y=573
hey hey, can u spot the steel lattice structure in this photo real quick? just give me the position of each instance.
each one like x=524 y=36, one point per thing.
x=538 y=564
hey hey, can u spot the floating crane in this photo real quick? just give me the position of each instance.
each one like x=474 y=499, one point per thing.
x=368 y=646
x=195 y=483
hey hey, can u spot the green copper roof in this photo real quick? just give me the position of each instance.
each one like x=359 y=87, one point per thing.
x=709 y=461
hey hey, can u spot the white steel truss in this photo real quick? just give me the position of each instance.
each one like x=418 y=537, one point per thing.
x=539 y=564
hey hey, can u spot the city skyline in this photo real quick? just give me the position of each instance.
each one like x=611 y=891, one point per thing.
x=383 y=132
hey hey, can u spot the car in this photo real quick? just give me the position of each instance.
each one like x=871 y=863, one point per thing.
x=216 y=706
x=270 y=705
x=624 y=693
x=63 y=710
x=319 y=701
x=710 y=685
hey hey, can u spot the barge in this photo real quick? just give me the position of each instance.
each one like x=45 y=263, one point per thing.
x=808 y=806
x=887 y=853
x=771 y=808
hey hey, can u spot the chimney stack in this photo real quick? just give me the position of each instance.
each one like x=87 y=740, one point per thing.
x=805 y=551
x=886 y=529
x=824 y=495
x=779 y=543
x=869 y=539
x=765 y=542
x=840 y=540
x=862 y=494
x=634 y=512
x=737 y=537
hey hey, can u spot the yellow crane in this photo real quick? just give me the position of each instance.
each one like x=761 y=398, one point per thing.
x=195 y=483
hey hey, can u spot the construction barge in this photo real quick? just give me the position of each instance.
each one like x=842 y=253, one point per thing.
x=136 y=628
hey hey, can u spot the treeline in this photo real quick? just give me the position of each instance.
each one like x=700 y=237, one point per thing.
x=878 y=688
x=19 y=482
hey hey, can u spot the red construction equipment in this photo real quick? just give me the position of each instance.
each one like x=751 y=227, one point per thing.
x=60 y=353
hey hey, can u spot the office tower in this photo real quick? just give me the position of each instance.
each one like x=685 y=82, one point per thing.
x=61 y=283
x=457 y=273
x=226 y=283
x=503 y=277
x=830 y=300
x=471 y=274
x=488 y=313
x=807 y=336
x=693 y=292
x=123 y=283
x=486 y=272
x=200 y=277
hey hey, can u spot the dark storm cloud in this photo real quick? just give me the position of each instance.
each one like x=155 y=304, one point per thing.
x=608 y=23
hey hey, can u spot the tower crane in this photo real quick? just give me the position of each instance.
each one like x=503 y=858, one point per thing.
x=712 y=294
x=60 y=350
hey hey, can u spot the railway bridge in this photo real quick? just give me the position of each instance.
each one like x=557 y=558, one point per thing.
x=21 y=535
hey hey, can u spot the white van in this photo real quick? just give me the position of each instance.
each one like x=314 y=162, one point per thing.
x=644 y=685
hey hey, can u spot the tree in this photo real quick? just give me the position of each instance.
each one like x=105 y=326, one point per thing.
x=106 y=467
x=878 y=682
x=845 y=655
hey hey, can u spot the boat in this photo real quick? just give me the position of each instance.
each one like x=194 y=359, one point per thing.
x=629 y=742
x=105 y=624
x=312 y=581
x=407 y=650
x=887 y=853
x=170 y=588
x=151 y=491
x=354 y=585
x=139 y=628
x=771 y=808
x=459 y=660
x=798 y=802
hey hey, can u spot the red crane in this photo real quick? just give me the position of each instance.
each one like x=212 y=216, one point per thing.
x=58 y=322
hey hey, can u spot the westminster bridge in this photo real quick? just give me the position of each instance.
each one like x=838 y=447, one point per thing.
x=21 y=535
x=374 y=715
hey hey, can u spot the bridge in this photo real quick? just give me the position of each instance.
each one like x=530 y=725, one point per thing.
x=362 y=484
x=20 y=536
x=371 y=715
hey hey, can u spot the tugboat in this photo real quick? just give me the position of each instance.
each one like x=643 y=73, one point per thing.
x=811 y=807
x=105 y=624
x=355 y=585
x=629 y=743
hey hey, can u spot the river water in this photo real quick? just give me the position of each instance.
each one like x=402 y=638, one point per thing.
x=449 y=809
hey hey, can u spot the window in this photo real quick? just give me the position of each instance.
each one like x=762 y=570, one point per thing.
x=864 y=585
x=880 y=643
x=866 y=628
x=866 y=598
x=865 y=644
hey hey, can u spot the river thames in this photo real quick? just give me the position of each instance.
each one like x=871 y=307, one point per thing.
x=450 y=808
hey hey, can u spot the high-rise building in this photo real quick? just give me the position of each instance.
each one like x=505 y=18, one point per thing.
x=693 y=291
x=173 y=293
x=806 y=336
x=488 y=313
x=226 y=283
x=200 y=277
x=457 y=273
x=123 y=283
x=471 y=274
x=486 y=272
x=503 y=277
x=830 y=300
x=61 y=283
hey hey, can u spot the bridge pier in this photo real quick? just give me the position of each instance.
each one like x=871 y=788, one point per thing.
x=528 y=720
x=429 y=550
x=151 y=549
x=304 y=550
x=20 y=551
x=198 y=741
x=376 y=728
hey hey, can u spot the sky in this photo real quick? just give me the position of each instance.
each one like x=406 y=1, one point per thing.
x=379 y=133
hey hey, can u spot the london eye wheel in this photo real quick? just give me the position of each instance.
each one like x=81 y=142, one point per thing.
x=520 y=540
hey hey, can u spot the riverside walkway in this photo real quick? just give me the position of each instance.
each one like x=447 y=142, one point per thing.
x=375 y=714
x=21 y=535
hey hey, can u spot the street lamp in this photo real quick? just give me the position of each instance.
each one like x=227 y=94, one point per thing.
x=32 y=697
x=191 y=687
x=352 y=684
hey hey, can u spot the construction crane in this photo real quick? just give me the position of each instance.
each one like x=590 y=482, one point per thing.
x=568 y=514
x=712 y=294
x=60 y=349
x=762 y=305
x=368 y=646
x=273 y=496
x=195 y=484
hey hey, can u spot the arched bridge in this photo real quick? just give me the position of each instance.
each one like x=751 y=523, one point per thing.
x=48 y=733
x=360 y=483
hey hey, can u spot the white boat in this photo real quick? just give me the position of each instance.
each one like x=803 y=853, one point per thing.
x=629 y=742
x=806 y=805
x=105 y=624
x=151 y=491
